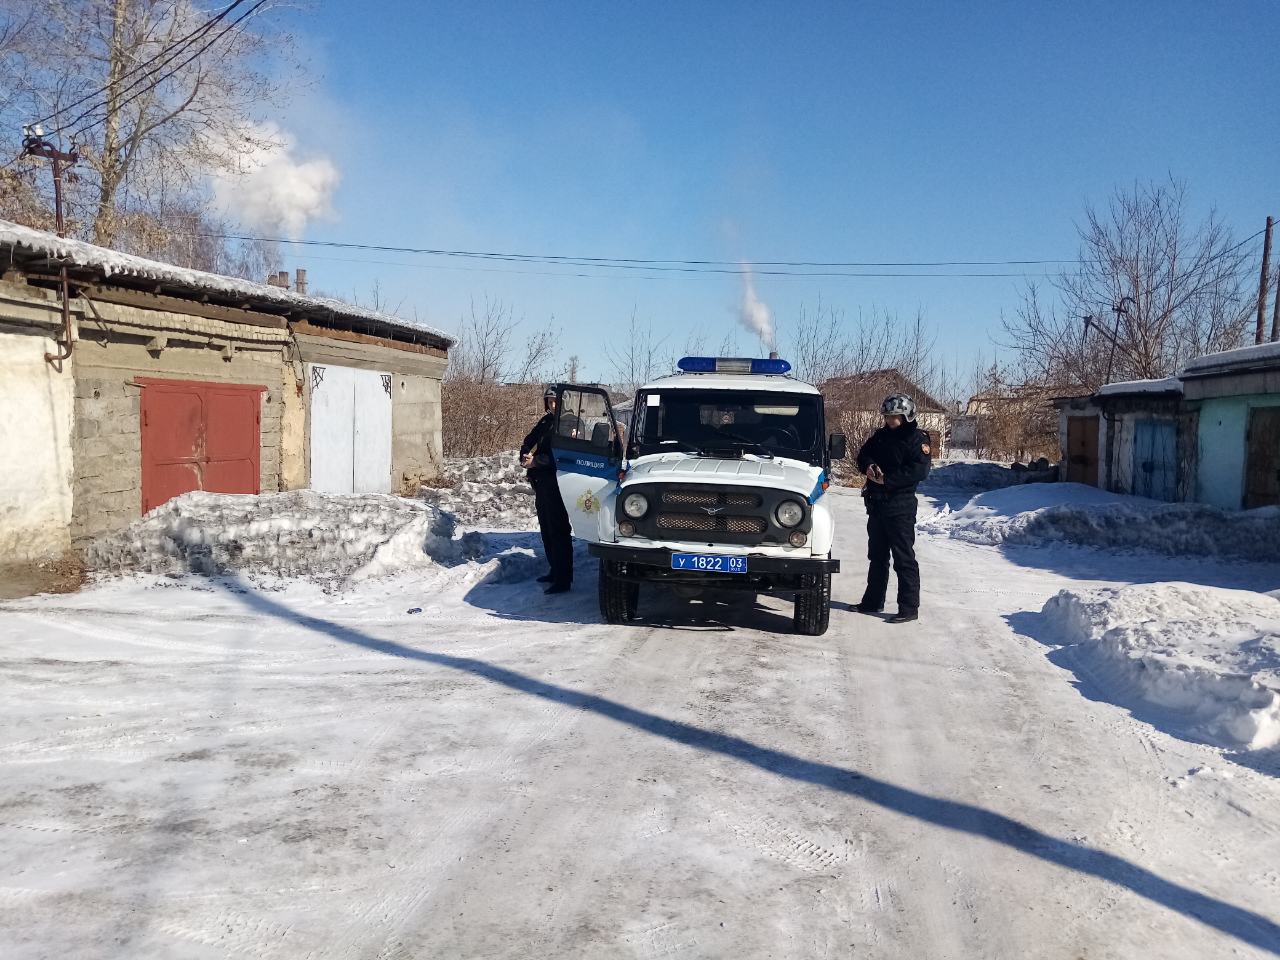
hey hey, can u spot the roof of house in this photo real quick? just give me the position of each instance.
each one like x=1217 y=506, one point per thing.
x=24 y=247
x=872 y=386
x=1231 y=361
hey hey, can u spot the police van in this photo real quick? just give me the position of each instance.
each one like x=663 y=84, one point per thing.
x=719 y=482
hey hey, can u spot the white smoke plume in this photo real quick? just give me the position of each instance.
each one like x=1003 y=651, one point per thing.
x=754 y=314
x=273 y=189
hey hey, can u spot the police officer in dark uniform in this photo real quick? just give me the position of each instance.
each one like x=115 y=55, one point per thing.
x=553 y=520
x=894 y=460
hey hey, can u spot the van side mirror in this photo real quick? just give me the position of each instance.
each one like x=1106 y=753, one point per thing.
x=838 y=446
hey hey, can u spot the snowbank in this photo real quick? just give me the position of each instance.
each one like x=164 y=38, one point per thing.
x=1044 y=513
x=489 y=493
x=1208 y=657
x=979 y=475
x=298 y=534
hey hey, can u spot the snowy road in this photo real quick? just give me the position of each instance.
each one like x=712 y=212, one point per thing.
x=219 y=772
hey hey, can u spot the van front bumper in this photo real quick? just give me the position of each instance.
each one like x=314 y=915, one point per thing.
x=765 y=574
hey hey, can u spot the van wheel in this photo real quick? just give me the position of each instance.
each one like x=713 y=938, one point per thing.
x=813 y=605
x=618 y=598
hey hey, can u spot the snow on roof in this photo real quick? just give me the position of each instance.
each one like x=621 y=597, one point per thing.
x=113 y=263
x=1259 y=353
x=1129 y=387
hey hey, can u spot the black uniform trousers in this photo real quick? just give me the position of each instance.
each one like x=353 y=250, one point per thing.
x=553 y=524
x=891 y=533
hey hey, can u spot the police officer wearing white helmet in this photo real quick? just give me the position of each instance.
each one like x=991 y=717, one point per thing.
x=894 y=460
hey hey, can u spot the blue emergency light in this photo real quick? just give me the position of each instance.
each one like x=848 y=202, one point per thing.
x=733 y=365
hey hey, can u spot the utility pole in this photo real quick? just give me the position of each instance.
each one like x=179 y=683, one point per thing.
x=1262 y=282
x=35 y=145
x=1120 y=311
x=1275 y=315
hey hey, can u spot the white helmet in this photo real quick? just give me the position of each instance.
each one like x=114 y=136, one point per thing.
x=899 y=406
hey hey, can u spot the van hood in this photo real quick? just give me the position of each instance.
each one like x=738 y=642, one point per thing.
x=791 y=475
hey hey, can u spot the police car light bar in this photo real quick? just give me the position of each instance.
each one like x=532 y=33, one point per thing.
x=733 y=365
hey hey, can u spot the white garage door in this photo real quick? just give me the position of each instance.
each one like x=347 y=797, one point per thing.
x=350 y=430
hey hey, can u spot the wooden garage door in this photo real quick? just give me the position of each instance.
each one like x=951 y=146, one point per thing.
x=1082 y=450
x=199 y=436
x=1262 y=466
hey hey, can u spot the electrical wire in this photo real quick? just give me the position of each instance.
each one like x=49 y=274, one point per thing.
x=161 y=79
x=149 y=66
x=736 y=266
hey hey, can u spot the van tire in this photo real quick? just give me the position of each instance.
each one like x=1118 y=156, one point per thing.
x=618 y=597
x=813 y=605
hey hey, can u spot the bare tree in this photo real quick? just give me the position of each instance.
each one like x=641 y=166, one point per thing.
x=635 y=357
x=1164 y=289
x=170 y=115
x=492 y=391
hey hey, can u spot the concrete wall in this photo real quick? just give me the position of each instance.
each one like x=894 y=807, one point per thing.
x=35 y=447
x=417 y=450
x=1223 y=448
x=108 y=440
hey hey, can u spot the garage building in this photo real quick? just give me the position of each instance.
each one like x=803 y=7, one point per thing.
x=179 y=380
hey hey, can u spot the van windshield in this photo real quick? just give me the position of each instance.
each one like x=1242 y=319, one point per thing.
x=766 y=423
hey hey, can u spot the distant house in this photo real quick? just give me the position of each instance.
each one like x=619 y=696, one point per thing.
x=180 y=380
x=1209 y=435
x=853 y=404
x=1017 y=421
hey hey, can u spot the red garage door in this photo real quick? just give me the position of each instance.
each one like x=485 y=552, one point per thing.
x=199 y=436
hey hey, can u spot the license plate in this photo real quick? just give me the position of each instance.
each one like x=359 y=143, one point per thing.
x=708 y=563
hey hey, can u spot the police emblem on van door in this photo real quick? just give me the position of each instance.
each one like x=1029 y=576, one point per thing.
x=588 y=502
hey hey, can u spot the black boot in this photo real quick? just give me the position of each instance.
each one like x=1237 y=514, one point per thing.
x=905 y=615
x=545 y=578
x=867 y=608
x=558 y=588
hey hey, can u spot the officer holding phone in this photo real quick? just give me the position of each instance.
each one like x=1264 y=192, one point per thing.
x=894 y=460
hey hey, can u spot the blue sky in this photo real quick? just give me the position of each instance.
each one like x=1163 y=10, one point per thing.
x=765 y=131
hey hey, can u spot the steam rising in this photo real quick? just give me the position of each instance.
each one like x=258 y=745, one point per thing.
x=274 y=189
x=754 y=314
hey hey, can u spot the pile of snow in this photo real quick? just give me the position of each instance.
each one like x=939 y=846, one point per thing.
x=1208 y=658
x=489 y=493
x=298 y=534
x=980 y=475
x=1043 y=513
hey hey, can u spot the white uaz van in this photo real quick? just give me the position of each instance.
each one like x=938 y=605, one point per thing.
x=720 y=482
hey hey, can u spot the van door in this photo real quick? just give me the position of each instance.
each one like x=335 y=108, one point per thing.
x=588 y=456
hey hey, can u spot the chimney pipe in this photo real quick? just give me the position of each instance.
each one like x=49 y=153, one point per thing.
x=300 y=284
x=773 y=354
x=282 y=280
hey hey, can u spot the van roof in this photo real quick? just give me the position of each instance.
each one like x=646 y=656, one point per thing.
x=732 y=381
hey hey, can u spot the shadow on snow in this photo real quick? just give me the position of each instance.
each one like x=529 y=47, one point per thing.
x=1242 y=924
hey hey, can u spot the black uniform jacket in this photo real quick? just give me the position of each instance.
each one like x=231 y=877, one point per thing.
x=538 y=442
x=904 y=454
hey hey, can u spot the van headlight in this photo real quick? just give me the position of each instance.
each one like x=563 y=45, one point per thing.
x=635 y=506
x=789 y=513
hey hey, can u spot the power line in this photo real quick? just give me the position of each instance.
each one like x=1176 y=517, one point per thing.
x=161 y=79
x=735 y=266
x=573 y=272
x=149 y=66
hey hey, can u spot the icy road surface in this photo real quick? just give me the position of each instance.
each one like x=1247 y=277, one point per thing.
x=205 y=771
